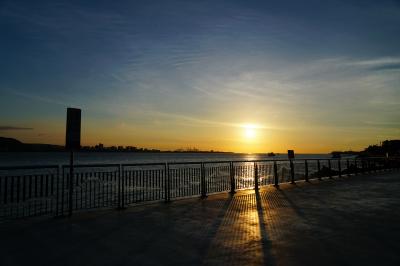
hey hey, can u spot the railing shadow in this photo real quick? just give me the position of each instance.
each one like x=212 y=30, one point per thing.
x=217 y=221
x=293 y=205
x=265 y=242
x=241 y=237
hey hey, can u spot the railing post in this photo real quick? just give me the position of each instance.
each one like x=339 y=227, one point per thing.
x=232 y=177
x=122 y=186
x=330 y=168
x=363 y=167
x=166 y=183
x=276 y=177
x=291 y=172
x=319 y=170
x=203 y=181
x=356 y=167
x=340 y=167
x=57 y=189
x=71 y=183
x=119 y=188
x=255 y=176
x=376 y=165
x=348 y=167
x=62 y=191
x=306 y=170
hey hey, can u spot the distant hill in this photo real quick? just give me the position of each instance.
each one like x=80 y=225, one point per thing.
x=10 y=144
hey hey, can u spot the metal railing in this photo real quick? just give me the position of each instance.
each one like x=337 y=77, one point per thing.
x=46 y=190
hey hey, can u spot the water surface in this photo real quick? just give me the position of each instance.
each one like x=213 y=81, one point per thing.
x=41 y=158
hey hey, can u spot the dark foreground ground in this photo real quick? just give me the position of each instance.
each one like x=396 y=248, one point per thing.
x=346 y=221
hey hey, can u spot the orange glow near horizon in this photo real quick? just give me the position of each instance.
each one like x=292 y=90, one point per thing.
x=231 y=137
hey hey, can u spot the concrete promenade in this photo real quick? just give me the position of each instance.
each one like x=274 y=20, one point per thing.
x=342 y=221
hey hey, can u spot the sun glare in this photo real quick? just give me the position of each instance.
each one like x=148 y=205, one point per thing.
x=249 y=131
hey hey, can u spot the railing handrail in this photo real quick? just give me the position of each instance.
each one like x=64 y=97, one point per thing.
x=23 y=167
x=116 y=185
x=63 y=166
x=91 y=165
x=142 y=164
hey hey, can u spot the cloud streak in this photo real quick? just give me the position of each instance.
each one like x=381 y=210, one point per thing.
x=10 y=128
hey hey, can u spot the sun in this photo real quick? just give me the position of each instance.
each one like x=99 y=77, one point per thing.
x=249 y=131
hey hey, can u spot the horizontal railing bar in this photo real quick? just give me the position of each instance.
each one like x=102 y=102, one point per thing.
x=143 y=164
x=176 y=163
x=15 y=167
x=22 y=167
x=90 y=165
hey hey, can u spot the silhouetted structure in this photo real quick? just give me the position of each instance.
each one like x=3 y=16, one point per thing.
x=50 y=190
x=390 y=147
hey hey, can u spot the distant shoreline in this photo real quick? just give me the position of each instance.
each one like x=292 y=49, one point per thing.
x=14 y=145
x=105 y=151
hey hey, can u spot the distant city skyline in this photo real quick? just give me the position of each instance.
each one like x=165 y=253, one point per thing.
x=240 y=76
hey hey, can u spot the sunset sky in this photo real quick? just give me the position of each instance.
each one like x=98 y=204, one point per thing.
x=243 y=76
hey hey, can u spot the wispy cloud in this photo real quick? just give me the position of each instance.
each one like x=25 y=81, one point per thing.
x=9 y=128
x=32 y=96
x=385 y=124
x=187 y=120
x=193 y=121
x=382 y=63
x=376 y=61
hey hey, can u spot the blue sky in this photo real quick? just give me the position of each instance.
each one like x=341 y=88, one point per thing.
x=315 y=75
